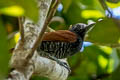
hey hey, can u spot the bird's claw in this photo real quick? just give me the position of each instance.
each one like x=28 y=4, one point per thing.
x=64 y=64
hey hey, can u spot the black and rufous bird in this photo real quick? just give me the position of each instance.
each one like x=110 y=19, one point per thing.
x=63 y=43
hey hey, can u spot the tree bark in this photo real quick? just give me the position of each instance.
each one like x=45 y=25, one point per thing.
x=25 y=65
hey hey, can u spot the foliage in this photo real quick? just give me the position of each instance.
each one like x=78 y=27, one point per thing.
x=4 y=56
x=100 y=60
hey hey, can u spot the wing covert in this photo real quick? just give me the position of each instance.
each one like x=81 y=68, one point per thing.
x=60 y=35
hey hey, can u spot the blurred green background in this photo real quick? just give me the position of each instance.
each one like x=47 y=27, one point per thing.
x=100 y=55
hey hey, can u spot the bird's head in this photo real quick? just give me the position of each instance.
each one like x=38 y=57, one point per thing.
x=80 y=29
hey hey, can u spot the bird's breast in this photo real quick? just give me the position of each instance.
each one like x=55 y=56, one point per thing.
x=60 y=49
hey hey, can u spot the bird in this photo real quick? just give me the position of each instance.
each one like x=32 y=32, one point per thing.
x=61 y=44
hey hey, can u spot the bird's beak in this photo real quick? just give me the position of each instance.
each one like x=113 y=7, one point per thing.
x=89 y=26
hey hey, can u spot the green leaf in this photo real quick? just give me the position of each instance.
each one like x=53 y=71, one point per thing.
x=116 y=75
x=113 y=1
x=12 y=11
x=91 y=5
x=81 y=10
x=38 y=78
x=118 y=51
x=105 y=32
x=66 y=4
x=91 y=14
x=29 y=6
x=113 y=5
x=111 y=63
x=4 y=56
x=104 y=57
x=73 y=14
x=115 y=58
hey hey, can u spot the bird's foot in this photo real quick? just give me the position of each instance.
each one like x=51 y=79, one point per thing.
x=64 y=64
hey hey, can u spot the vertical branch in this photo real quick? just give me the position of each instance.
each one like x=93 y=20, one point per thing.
x=24 y=69
x=25 y=61
x=21 y=29
x=49 y=17
x=105 y=7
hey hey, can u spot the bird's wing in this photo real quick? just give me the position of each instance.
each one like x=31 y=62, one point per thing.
x=60 y=35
